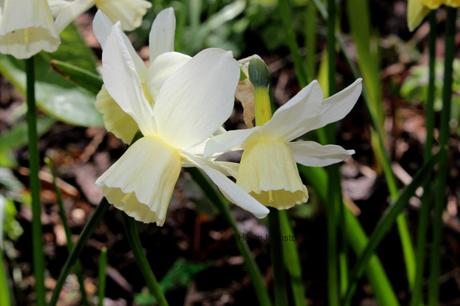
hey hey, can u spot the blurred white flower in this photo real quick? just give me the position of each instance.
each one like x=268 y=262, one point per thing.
x=190 y=106
x=128 y=12
x=268 y=168
x=152 y=76
x=26 y=28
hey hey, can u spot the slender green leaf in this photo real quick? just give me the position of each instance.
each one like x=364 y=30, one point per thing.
x=386 y=223
x=102 y=276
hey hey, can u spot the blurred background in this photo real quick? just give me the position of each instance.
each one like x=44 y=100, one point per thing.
x=194 y=254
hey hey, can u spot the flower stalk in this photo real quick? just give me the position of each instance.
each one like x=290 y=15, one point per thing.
x=37 y=232
x=440 y=190
x=424 y=218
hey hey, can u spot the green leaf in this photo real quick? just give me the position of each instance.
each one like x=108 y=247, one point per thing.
x=57 y=96
x=385 y=224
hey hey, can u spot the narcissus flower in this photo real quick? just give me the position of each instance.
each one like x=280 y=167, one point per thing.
x=128 y=12
x=26 y=28
x=418 y=9
x=268 y=168
x=161 y=41
x=189 y=107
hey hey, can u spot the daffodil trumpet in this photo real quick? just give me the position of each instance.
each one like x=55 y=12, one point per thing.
x=26 y=28
x=268 y=169
x=189 y=107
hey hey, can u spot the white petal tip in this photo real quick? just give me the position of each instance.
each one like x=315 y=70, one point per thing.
x=350 y=152
x=262 y=213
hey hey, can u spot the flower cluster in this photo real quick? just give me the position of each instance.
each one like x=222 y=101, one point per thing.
x=179 y=104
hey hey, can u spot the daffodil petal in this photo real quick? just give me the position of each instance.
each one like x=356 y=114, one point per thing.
x=27 y=28
x=116 y=120
x=65 y=13
x=288 y=118
x=102 y=26
x=123 y=81
x=452 y=3
x=161 y=38
x=163 y=67
x=231 y=140
x=230 y=190
x=416 y=12
x=128 y=12
x=331 y=110
x=196 y=100
x=142 y=181
x=313 y=154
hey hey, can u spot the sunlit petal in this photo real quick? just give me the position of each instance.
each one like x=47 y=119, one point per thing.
x=313 y=154
x=66 y=11
x=230 y=190
x=161 y=38
x=196 y=100
x=416 y=12
x=102 y=26
x=123 y=82
x=162 y=68
x=231 y=140
x=142 y=181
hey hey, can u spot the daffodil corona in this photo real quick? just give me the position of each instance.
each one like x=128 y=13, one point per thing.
x=128 y=12
x=190 y=106
x=418 y=9
x=26 y=28
x=268 y=168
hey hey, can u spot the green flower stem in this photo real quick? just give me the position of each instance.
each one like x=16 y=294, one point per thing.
x=292 y=260
x=440 y=191
x=68 y=234
x=73 y=256
x=37 y=233
x=260 y=78
x=310 y=41
x=102 y=277
x=279 y=272
x=141 y=260
x=223 y=206
x=424 y=218
x=4 y=288
x=334 y=204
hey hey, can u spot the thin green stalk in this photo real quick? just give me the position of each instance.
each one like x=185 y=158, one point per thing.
x=334 y=205
x=222 y=205
x=310 y=42
x=292 y=260
x=279 y=273
x=141 y=260
x=4 y=288
x=424 y=218
x=102 y=276
x=73 y=256
x=37 y=233
x=385 y=224
x=68 y=234
x=440 y=191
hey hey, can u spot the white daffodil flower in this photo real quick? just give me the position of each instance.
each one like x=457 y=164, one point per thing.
x=268 y=168
x=26 y=28
x=128 y=12
x=189 y=107
x=161 y=41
